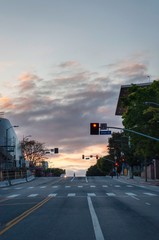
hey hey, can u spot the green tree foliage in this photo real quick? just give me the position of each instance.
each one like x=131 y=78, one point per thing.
x=105 y=165
x=94 y=171
x=143 y=118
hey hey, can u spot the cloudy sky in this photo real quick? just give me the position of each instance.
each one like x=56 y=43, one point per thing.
x=62 y=63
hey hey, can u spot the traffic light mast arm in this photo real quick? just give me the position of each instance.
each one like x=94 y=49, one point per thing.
x=138 y=133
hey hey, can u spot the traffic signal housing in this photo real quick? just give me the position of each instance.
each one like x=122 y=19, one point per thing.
x=94 y=128
x=116 y=164
x=56 y=150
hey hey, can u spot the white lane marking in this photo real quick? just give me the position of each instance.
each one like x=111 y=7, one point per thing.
x=111 y=194
x=91 y=194
x=129 y=186
x=71 y=194
x=86 y=179
x=54 y=186
x=17 y=188
x=133 y=195
x=150 y=194
x=149 y=204
x=33 y=195
x=96 y=225
x=52 y=195
x=104 y=186
x=43 y=187
x=67 y=186
x=13 y=195
x=92 y=186
x=72 y=179
x=80 y=186
x=130 y=194
x=117 y=186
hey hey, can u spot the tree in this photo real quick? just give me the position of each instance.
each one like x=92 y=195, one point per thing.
x=105 y=165
x=94 y=171
x=33 y=151
x=143 y=118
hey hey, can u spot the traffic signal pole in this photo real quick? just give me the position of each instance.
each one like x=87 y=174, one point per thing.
x=135 y=132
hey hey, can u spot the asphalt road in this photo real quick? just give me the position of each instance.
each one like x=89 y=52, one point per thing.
x=94 y=208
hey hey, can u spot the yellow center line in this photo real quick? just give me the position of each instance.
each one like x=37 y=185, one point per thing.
x=23 y=215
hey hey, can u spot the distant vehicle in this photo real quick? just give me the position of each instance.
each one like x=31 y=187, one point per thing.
x=63 y=175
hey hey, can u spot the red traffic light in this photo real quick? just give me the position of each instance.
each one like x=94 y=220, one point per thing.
x=94 y=128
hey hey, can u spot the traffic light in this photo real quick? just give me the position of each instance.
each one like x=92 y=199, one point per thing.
x=116 y=164
x=82 y=156
x=97 y=157
x=56 y=150
x=94 y=128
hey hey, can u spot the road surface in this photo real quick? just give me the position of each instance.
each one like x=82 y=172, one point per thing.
x=80 y=208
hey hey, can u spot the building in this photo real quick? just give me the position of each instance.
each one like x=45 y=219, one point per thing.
x=10 y=148
x=124 y=93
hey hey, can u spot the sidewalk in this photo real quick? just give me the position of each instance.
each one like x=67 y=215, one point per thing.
x=139 y=180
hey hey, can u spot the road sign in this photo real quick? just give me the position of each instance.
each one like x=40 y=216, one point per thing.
x=105 y=132
x=103 y=126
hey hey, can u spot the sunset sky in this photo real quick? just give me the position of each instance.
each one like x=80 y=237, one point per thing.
x=62 y=63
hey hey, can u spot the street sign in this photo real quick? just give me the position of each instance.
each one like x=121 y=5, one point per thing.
x=103 y=126
x=103 y=132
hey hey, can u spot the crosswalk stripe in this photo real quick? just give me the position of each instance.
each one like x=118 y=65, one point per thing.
x=54 y=186
x=117 y=186
x=130 y=194
x=13 y=195
x=71 y=194
x=43 y=187
x=67 y=186
x=92 y=186
x=33 y=195
x=80 y=186
x=129 y=186
x=111 y=194
x=52 y=195
x=105 y=186
x=91 y=194
x=150 y=194
x=30 y=187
